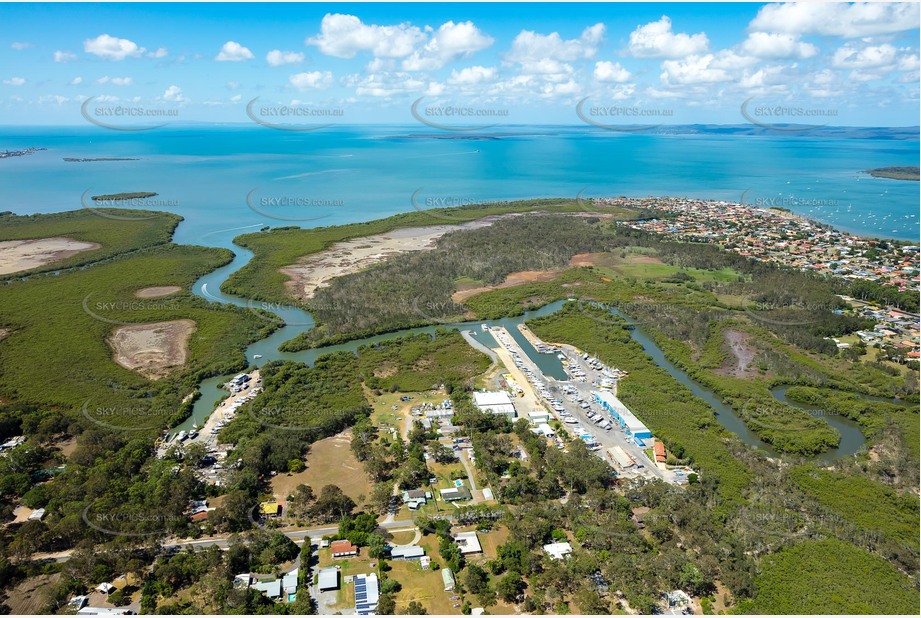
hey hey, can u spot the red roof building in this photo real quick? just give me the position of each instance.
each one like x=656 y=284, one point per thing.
x=343 y=548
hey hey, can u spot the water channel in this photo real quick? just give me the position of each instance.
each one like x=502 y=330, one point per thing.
x=297 y=321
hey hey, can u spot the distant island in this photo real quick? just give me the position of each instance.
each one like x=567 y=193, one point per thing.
x=78 y=160
x=6 y=154
x=895 y=173
x=137 y=195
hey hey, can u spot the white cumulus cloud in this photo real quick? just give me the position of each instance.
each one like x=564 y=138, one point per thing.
x=694 y=70
x=606 y=71
x=277 y=57
x=838 y=19
x=64 y=56
x=116 y=81
x=656 y=40
x=311 y=80
x=174 y=94
x=530 y=46
x=473 y=75
x=343 y=36
x=232 y=51
x=112 y=48
x=777 y=45
x=869 y=57
x=449 y=43
x=14 y=81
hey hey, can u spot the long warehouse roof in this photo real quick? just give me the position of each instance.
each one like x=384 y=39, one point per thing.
x=634 y=424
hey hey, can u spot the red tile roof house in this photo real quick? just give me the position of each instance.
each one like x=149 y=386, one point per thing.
x=343 y=548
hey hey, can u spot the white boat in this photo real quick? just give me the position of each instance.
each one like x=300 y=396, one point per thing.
x=182 y=436
x=484 y=326
x=257 y=356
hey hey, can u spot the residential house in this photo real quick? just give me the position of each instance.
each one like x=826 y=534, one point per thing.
x=342 y=549
x=406 y=552
x=367 y=594
x=468 y=542
x=558 y=551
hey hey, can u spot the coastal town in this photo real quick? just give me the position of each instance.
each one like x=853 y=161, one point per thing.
x=780 y=237
x=785 y=239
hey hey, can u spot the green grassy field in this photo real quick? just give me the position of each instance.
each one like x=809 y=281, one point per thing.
x=641 y=264
x=115 y=235
x=424 y=586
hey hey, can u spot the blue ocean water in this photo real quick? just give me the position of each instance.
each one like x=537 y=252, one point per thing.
x=226 y=180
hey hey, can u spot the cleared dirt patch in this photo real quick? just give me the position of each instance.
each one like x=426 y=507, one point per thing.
x=157 y=291
x=28 y=597
x=67 y=446
x=611 y=260
x=743 y=353
x=513 y=279
x=349 y=256
x=3 y=333
x=329 y=462
x=19 y=255
x=152 y=349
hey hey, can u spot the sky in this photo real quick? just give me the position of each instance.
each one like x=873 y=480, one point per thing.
x=462 y=65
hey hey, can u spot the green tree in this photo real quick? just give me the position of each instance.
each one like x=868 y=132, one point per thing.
x=332 y=504
x=301 y=501
x=386 y=605
x=379 y=500
x=414 y=608
x=511 y=587
x=476 y=580
x=377 y=546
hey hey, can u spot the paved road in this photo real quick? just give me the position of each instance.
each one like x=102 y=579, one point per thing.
x=297 y=536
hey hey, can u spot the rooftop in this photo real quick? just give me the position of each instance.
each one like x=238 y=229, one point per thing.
x=328 y=578
x=558 y=551
x=468 y=542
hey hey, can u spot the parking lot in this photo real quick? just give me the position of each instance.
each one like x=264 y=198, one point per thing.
x=571 y=403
